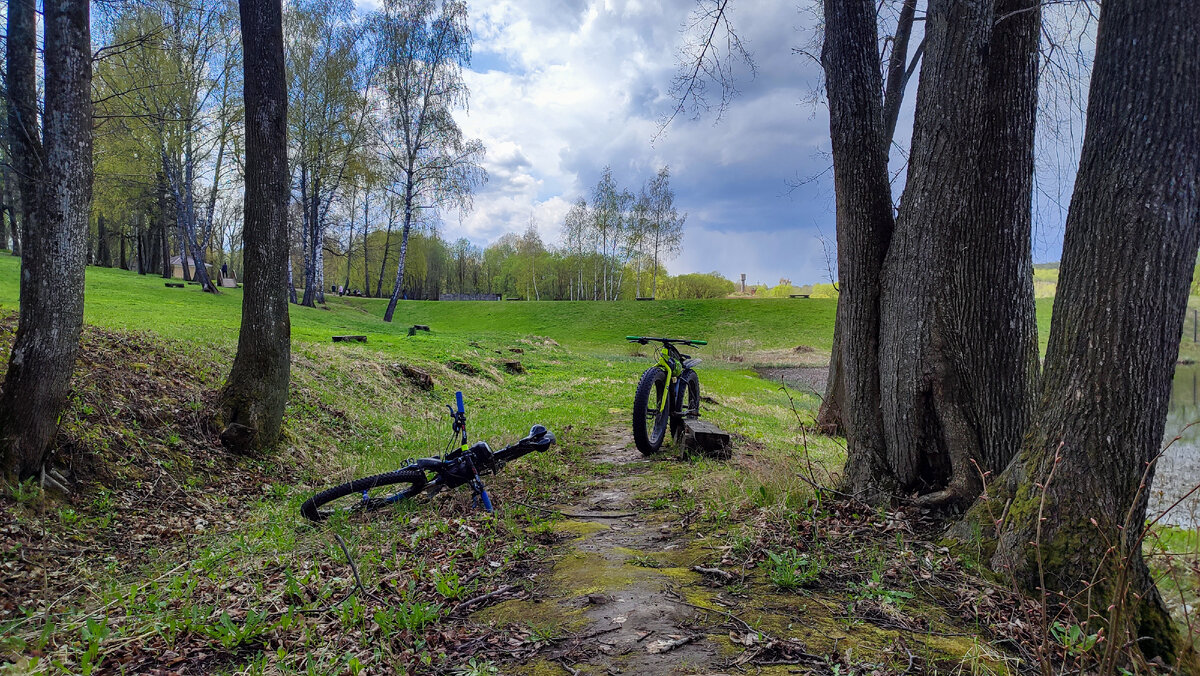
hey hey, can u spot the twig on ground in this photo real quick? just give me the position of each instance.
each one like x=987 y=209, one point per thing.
x=715 y=572
x=480 y=599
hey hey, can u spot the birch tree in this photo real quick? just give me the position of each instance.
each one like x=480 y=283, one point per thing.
x=424 y=46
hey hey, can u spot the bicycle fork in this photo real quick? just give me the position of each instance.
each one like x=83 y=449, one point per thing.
x=481 y=498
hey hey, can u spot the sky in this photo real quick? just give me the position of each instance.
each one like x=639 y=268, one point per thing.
x=559 y=89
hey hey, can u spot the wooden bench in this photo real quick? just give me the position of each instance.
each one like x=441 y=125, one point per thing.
x=798 y=295
x=173 y=285
x=412 y=330
x=705 y=438
x=349 y=339
x=515 y=298
x=645 y=298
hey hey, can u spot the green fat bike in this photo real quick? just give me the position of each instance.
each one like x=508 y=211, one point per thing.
x=668 y=393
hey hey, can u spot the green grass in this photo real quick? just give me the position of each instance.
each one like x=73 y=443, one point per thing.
x=124 y=300
x=350 y=413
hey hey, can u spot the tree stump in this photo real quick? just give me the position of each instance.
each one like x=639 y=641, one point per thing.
x=514 y=367
x=347 y=339
x=705 y=438
x=416 y=376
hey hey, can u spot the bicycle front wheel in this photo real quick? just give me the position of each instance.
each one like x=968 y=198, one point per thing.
x=649 y=415
x=365 y=494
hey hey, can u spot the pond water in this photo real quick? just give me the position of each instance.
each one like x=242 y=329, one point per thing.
x=1179 y=469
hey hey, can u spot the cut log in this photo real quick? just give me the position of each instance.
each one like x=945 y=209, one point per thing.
x=705 y=438
x=173 y=285
x=348 y=339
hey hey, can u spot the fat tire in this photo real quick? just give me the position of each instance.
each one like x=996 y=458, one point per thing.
x=311 y=509
x=690 y=393
x=646 y=443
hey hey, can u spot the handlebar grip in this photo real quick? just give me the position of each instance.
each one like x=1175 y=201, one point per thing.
x=633 y=337
x=458 y=398
x=698 y=342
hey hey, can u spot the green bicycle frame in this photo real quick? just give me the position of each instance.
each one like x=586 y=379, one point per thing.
x=664 y=361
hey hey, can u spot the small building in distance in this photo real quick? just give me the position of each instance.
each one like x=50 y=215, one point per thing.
x=177 y=268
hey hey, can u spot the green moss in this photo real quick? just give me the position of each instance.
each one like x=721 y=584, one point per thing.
x=581 y=529
x=581 y=573
x=532 y=614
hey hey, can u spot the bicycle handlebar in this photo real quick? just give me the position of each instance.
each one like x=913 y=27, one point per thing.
x=685 y=341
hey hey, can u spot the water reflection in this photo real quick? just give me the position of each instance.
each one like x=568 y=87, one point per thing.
x=1179 y=469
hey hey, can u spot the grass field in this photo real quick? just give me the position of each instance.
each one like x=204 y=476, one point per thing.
x=167 y=545
x=351 y=413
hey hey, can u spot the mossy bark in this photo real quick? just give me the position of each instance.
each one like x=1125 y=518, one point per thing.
x=1076 y=494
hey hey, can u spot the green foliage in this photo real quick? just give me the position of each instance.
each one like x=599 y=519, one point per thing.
x=1074 y=638
x=697 y=286
x=790 y=569
x=477 y=667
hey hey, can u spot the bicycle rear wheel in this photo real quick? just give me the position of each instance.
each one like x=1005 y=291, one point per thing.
x=688 y=405
x=649 y=419
x=365 y=494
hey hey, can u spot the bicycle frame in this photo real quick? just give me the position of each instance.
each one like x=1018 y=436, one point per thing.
x=673 y=365
x=672 y=362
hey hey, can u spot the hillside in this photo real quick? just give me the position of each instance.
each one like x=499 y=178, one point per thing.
x=170 y=554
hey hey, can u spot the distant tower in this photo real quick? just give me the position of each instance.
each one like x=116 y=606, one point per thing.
x=743 y=282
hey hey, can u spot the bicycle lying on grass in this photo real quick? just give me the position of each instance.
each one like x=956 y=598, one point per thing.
x=668 y=392
x=428 y=475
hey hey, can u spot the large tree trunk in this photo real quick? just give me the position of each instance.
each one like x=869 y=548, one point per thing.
x=941 y=173
x=1131 y=241
x=57 y=188
x=864 y=227
x=830 y=416
x=253 y=400
x=958 y=333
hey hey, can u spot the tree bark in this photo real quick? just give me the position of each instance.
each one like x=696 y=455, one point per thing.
x=864 y=227
x=25 y=141
x=103 y=253
x=958 y=360
x=830 y=414
x=253 y=400
x=57 y=187
x=1131 y=240
x=408 y=209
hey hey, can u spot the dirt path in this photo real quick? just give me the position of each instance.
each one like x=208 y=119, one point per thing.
x=620 y=582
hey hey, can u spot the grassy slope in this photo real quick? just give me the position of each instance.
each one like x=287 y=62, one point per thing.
x=351 y=414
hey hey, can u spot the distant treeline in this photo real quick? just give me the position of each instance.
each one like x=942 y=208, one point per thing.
x=514 y=266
